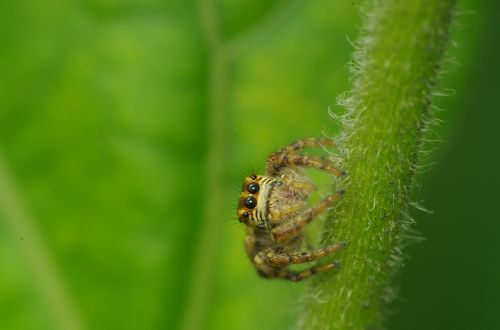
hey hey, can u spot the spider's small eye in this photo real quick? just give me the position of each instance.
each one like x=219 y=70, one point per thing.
x=253 y=176
x=253 y=188
x=250 y=202
x=245 y=214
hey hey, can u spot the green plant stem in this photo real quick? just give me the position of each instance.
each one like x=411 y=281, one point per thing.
x=198 y=294
x=396 y=69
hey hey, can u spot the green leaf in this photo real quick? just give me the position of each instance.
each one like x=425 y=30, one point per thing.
x=114 y=170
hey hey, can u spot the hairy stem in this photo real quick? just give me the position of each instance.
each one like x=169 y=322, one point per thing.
x=397 y=66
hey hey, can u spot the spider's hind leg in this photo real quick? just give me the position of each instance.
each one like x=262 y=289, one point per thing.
x=266 y=269
x=299 y=276
x=283 y=259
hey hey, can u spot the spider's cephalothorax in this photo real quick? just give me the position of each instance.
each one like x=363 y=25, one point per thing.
x=274 y=208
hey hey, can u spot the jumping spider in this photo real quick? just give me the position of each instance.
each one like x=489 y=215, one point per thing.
x=274 y=209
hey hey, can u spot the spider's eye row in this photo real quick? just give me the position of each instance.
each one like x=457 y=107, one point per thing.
x=245 y=214
x=250 y=202
x=253 y=176
x=253 y=188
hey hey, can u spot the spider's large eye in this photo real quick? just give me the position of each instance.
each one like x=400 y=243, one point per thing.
x=253 y=188
x=245 y=214
x=250 y=202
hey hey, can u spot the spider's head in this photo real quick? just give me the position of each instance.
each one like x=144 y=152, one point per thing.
x=252 y=205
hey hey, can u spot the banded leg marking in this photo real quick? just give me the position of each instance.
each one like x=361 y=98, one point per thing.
x=299 y=276
x=283 y=259
x=279 y=160
x=307 y=143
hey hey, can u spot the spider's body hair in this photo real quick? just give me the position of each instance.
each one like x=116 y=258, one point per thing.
x=288 y=199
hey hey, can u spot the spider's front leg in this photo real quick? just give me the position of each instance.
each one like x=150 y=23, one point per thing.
x=288 y=156
x=290 y=229
x=277 y=161
x=306 y=143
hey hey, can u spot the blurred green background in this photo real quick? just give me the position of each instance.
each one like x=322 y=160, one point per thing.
x=124 y=137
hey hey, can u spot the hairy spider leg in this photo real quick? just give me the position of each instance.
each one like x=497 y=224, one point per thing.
x=255 y=243
x=267 y=270
x=299 y=276
x=290 y=229
x=283 y=259
x=289 y=156
x=278 y=160
x=307 y=143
